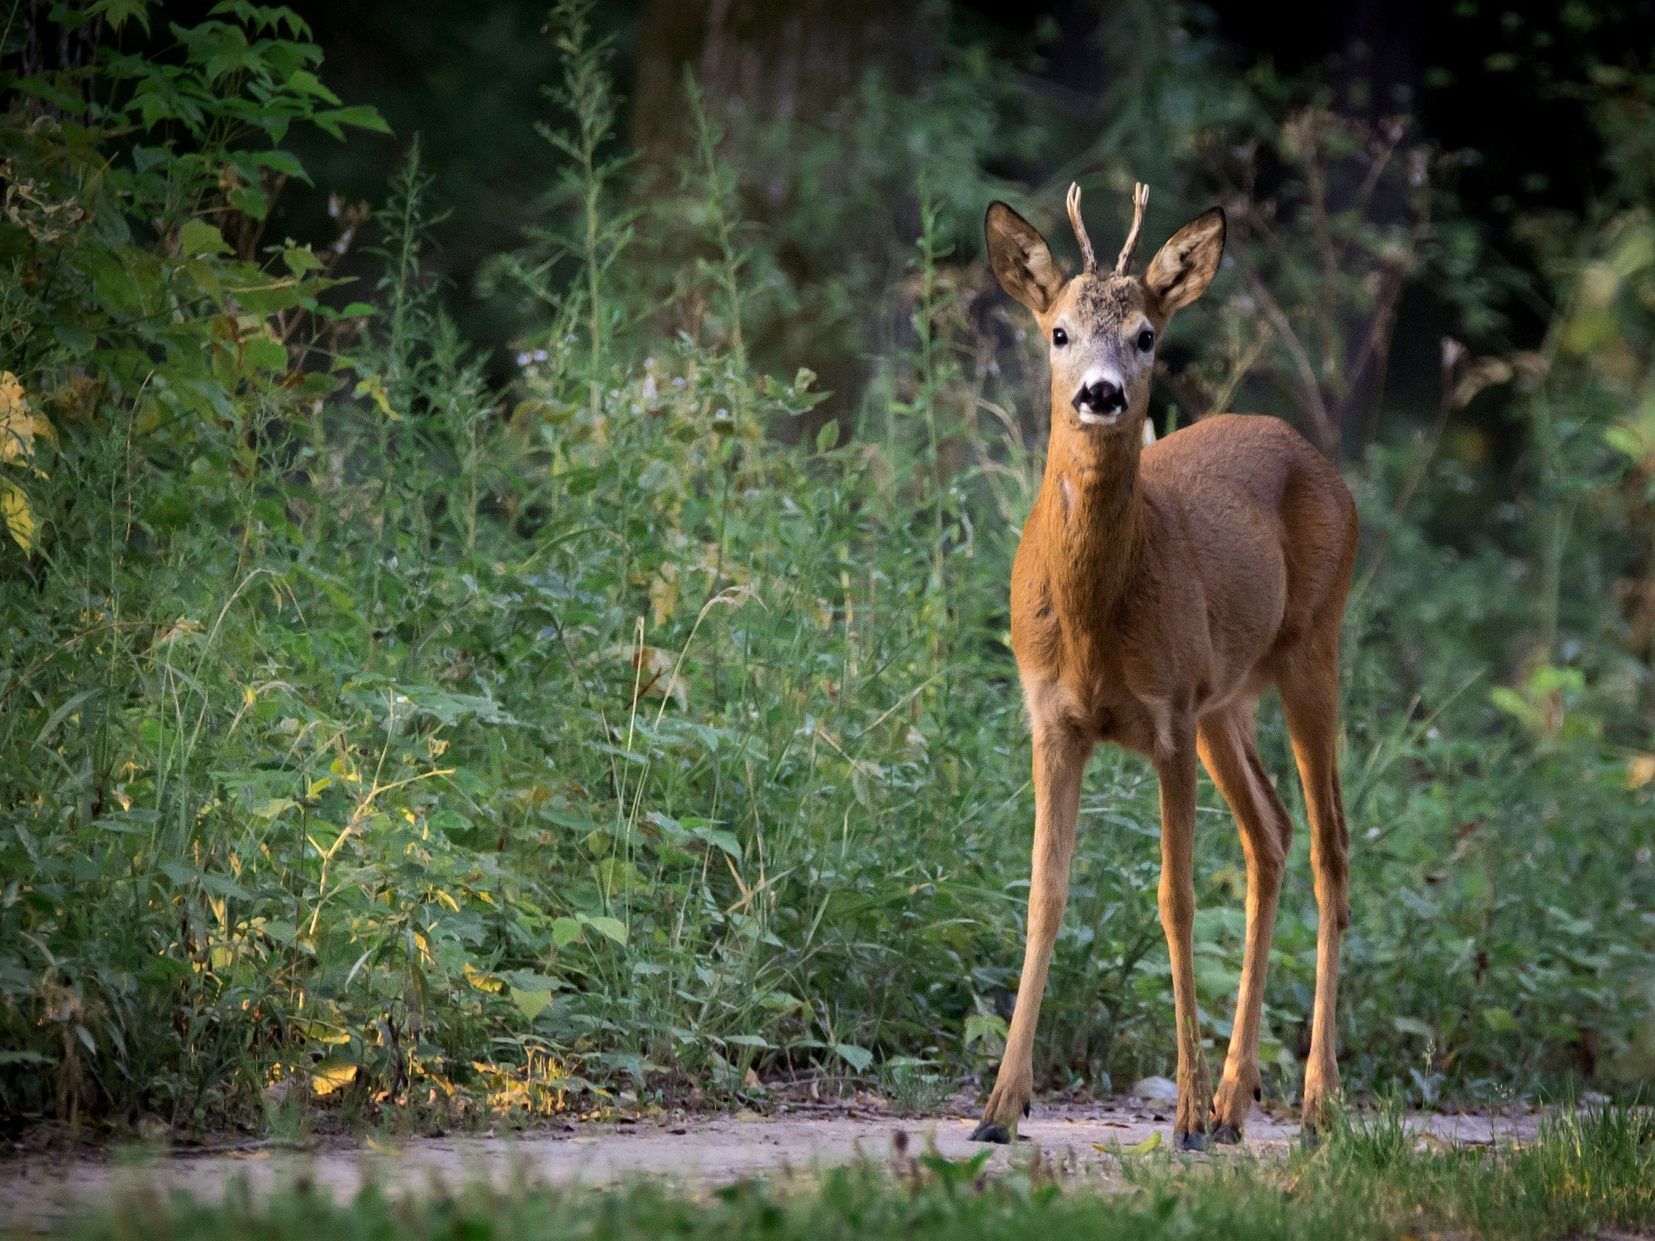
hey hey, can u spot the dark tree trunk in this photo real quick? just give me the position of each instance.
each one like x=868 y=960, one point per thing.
x=774 y=61
x=762 y=64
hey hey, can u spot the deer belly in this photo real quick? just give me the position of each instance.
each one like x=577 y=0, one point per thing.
x=1246 y=604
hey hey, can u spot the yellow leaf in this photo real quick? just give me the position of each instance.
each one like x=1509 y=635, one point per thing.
x=663 y=594
x=332 y=1075
x=371 y=387
x=19 y=423
x=17 y=515
x=16 y=420
x=1640 y=770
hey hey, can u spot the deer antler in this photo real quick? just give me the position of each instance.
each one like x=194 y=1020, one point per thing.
x=1079 y=226
x=1140 y=200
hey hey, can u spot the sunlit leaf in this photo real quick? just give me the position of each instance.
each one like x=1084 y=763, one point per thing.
x=18 y=516
x=332 y=1074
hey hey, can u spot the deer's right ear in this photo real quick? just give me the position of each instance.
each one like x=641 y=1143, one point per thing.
x=1021 y=259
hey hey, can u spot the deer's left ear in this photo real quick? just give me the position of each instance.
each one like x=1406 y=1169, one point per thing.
x=1183 y=268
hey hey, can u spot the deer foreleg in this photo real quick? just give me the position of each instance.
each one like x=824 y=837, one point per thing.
x=1059 y=759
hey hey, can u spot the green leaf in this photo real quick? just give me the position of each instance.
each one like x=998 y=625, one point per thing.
x=283 y=162
x=197 y=237
x=219 y=885
x=77 y=339
x=266 y=354
x=614 y=928
x=986 y=1028
x=859 y=1058
x=251 y=199
x=304 y=82
x=720 y=839
x=118 y=12
x=230 y=54
x=530 y=1003
x=361 y=116
x=300 y=259
x=565 y=931
x=52 y=91
x=1152 y=1142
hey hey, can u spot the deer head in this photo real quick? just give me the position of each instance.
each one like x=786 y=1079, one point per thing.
x=1102 y=328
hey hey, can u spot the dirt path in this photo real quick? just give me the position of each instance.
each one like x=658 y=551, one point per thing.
x=38 y=1189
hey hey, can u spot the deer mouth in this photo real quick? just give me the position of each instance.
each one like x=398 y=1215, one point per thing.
x=1091 y=418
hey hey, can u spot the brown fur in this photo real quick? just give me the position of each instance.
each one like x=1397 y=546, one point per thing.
x=1157 y=592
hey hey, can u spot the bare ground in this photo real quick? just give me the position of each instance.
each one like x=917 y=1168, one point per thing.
x=1083 y=1139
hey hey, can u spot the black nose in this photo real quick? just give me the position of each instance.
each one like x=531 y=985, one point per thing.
x=1102 y=397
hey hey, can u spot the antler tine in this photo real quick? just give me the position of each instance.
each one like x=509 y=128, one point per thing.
x=1079 y=225
x=1140 y=200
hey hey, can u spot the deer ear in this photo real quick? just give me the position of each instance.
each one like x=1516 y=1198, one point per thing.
x=1183 y=268
x=1021 y=259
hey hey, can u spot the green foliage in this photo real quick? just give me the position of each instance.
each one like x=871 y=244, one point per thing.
x=376 y=733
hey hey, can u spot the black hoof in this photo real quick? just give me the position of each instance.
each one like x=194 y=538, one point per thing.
x=988 y=1131
x=1310 y=1137
x=1227 y=1135
x=1196 y=1141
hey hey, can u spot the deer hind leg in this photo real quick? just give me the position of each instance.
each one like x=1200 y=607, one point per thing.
x=1310 y=700
x=1228 y=751
x=1059 y=760
x=1175 y=765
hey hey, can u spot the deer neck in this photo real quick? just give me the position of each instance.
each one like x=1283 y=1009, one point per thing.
x=1094 y=517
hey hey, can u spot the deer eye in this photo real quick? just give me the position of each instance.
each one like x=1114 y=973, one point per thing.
x=1146 y=340
x=1059 y=337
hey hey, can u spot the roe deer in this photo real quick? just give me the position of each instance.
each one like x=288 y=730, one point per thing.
x=1158 y=590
